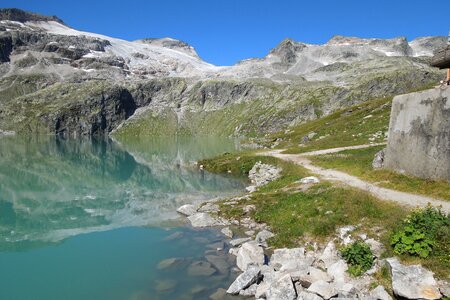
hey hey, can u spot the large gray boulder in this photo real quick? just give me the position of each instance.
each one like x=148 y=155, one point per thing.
x=250 y=254
x=203 y=220
x=413 y=282
x=284 y=257
x=378 y=160
x=282 y=289
x=244 y=280
x=323 y=289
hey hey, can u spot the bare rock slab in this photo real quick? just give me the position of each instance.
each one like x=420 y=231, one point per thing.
x=413 y=282
x=282 y=289
x=244 y=280
x=250 y=254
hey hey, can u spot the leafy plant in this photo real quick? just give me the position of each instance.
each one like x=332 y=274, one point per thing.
x=359 y=257
x=423 y=232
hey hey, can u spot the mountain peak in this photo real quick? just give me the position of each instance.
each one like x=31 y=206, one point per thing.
x=287 y=50
x=15 y=14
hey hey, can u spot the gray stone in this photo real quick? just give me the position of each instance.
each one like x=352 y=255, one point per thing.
x=305 y=295
x=413 y=282
x=240 y=241
x=250 y=291
x=171 y=263
x=244 y=280
x=337 y=271
x=261 y=289
x=165 y=286
x=200 y=268
x=379 y=293
x=418 y=134
x=309 y=180
x=282 y=289
x=209 y=207
x=261 y=174
x=444 y=287
x=263 y=236
x=378 y=160
x=316 y=275
x=219 y=262
x=187 y=209
x=285 y=256
x=329 y=255
x=323 y=289
x=203 y=220
x=250 y=254
x=227 y=232
x=376 y=247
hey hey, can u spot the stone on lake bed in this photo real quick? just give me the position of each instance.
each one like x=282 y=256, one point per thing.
x=165 y=286
x=219 y=262
x=200 y=268
x=173 y=262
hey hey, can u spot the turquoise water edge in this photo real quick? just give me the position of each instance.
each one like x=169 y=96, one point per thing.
x=96 y=219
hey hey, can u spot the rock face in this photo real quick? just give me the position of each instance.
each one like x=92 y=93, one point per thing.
x=42 y=61
x=419 y=138
x=413 y=282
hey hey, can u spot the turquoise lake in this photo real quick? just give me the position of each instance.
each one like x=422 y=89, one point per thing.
x=96 y=219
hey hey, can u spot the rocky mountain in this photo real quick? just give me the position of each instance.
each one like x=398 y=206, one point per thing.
x=55 y=79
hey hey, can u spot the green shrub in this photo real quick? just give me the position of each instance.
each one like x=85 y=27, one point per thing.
x=359 y=257
x=424 y=232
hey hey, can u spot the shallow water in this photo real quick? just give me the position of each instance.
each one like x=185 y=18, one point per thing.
x=82 y=219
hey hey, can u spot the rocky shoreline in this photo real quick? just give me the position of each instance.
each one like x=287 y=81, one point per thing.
x=311 y=272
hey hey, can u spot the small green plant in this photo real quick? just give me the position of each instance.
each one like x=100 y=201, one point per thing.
x=359 y=257
x=424 y=232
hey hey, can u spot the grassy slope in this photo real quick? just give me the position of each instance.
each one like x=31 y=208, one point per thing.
x=359 y=163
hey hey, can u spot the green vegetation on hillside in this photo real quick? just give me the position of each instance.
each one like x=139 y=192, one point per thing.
x=359 y=163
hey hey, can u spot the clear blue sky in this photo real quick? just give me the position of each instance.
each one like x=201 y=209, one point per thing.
x=227 y=31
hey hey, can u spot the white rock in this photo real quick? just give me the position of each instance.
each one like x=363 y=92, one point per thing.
x=379 y=293
x=187 y=209
x=203 y=220
x=413 y=282
x=376 y=247
x=250 y=291
x=305 y=295
x=240 y=241
x=227 y=232
x=309 y=179
x=244 y=280
x=329 y=255
x=338 y=271
x=284 y=256
x=316 y=275
x=282 y=289
x=209 y=207
x=323 y=289
x=250 y=254
x=263 y=236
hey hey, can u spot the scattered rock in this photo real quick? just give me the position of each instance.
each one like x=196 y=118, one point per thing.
x=244 y=280
x=282 y=289
x=305 y=295
x=171 y=263
x=219 y=262
x=337 y=271
x=379 y=293
x=187 y=209
x=308 y=180
x=250 y=232
x=240 y=241
x=323 y=289
x=227 y=232
x=203 y=220
x=262 y=174
x=249 y=254
x=209 y=207
x=200 y=268
x=378 y=160
x=263 y=236
x=412 y=282
x=250 y=291
x=329 y=255
x=249 y=208
x=165 y=286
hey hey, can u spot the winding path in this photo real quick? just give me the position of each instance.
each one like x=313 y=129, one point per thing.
x=402 y=198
